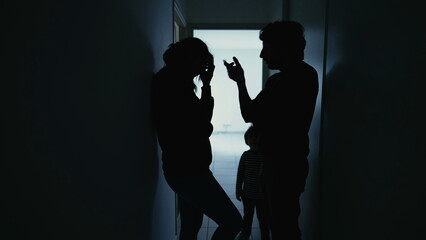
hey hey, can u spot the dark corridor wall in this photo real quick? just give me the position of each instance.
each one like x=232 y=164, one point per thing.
x=374 y=132
x=77 y=151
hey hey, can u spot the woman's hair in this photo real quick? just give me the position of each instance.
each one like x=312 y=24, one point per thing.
x=184 y=52
x=288 y=35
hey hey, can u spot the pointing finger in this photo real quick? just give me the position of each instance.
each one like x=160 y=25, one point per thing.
x=237 y=63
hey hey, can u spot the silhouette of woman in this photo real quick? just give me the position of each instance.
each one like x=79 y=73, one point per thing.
x=183 y=124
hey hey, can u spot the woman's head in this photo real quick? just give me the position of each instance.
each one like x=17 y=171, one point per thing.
x=190 y=55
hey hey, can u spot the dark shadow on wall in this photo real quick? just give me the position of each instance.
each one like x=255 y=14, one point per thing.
x=344 y=143
x=78 y=148
x=370 y=187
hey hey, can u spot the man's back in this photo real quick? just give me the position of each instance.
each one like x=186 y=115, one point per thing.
x=286 y=107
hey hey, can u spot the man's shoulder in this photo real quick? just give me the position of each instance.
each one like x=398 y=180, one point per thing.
x=308 y=68
x=251 y=152
x=276 y=77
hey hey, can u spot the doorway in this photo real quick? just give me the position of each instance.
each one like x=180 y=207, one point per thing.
x=224 y=44
x=227 y=121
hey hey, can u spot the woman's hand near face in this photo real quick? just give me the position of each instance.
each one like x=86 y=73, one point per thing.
x=207 y=75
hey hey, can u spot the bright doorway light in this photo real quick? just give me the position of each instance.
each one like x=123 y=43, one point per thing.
x=224 y=44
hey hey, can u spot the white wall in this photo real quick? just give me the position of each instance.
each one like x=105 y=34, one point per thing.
x=156 y=19
x=77 y=143
x=372 y=166
x=311 y=13
x=372 y=132
x=224 y=44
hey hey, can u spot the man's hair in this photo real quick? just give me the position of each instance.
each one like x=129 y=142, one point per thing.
x=287 y=34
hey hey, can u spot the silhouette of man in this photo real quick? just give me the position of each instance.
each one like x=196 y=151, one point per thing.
x=282 y=112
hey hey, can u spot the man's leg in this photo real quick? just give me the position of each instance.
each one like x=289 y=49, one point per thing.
x=248 y=205
x=262 y=216
x=284 y=218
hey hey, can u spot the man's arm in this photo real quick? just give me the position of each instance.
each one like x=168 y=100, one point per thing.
x=236 y=73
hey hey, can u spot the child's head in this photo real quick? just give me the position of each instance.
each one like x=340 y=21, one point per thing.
x=251 y=136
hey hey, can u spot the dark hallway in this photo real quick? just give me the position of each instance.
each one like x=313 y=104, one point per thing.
x=79 y=156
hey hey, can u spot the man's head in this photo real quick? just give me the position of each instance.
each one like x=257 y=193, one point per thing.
x=283 y=42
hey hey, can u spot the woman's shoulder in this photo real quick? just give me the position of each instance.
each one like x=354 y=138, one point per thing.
x=166 y=78
x=163 y=73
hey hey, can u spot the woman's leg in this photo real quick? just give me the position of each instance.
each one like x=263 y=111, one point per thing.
x=218 y=206
x=204 y=193
x=191 y=220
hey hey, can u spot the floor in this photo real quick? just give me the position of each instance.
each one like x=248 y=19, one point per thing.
x=227 y=149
